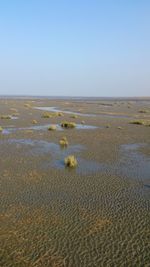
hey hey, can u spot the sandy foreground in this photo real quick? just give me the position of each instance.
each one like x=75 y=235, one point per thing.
x=94 y=215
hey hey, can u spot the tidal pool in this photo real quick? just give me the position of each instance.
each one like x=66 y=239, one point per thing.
x=55 y=109
x=57 y=153
x=134 y=163
x=45 y=127
x=130 y=164
x=14 y=117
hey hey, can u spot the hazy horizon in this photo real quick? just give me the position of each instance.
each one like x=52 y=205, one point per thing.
x=75 y=48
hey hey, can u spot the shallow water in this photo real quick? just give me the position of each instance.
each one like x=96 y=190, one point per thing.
x=14 y=117
x=55 y=109
x=132 y=163
x=115 y=116
x=41 y=146
x=58 y=153
x=9 y=130
x=78 y=126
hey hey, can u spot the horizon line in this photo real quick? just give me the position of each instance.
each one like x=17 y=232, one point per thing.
x=71 y=96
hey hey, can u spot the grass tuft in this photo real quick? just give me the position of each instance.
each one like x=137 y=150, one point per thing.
x=47 y=115
x=140 y=122
x=66 y=124
x=143 y=111
x=27 y=105
x=71 y=161
x=52 y=127
x=108 y=126
x=4 y=117
x=59 y=114
x=14 y=109
x=63 y=141
x=34 y=121
x=74 y=116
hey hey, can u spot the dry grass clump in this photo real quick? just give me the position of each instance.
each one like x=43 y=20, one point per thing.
x=34 y=121
x=59 y=114
x=67 y=124
x=4 y=117
x=14 y=109
x=138 y=122
x=63 y=141
x=29 y=131
x=108 y=126
x=52 y=127
x=74 y=116
x=1 y=129
x=15 y=114
x=141 y=122
x=71 y=161
x=27 y=105
x=143 y=111
x=47 y=115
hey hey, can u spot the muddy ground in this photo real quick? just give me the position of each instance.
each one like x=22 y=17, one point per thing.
x=94 y=215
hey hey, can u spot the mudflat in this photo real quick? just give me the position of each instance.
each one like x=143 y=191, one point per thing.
x=96 y=214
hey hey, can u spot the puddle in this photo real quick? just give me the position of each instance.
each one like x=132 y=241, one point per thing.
x=55 y=109
x=84 y=166
x=37 y=147
x=41 y=146
x=147 y=185
x=5 y=131
x=14 y=118
x=115 y=116
x=132 y=147
x=45 y=127
x=132 y=163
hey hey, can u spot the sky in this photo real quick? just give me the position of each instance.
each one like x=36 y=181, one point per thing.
x=75 y=47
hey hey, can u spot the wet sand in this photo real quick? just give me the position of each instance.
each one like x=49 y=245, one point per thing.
x=94 y=215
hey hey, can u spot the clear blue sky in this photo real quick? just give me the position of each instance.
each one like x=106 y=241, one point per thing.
x=75 y=47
